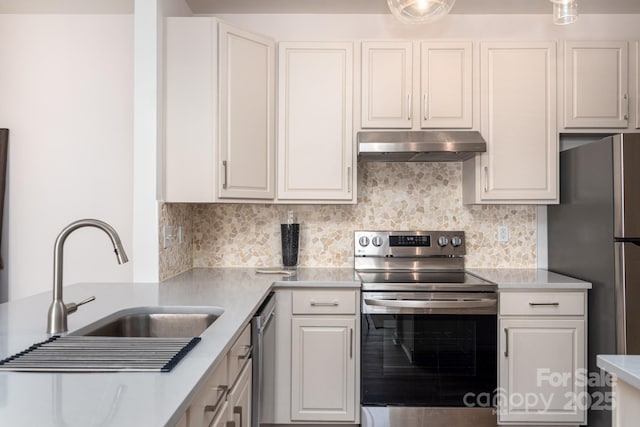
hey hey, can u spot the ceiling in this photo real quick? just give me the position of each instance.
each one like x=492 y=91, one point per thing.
x=485 y=7
x=380 y=6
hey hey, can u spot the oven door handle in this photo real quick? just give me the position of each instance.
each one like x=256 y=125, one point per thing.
x=434 y=303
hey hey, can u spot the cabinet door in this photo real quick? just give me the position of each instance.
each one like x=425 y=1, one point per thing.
x=542 y=370
x=596 y=79
x=315 y=133
x=446 y=83
x=518 y=118
x=323 y=369
x=190 y=111
x=220 y=420
x=387 y=84
x=240 y=398
x=247 y=141
x=211 y=399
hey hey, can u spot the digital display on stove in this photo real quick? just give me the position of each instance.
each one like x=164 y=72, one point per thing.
x=410 y=241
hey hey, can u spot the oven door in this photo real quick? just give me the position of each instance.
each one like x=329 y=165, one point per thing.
x=428 y=349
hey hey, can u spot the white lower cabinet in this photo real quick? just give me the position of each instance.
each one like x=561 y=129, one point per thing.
x=542 y=358
x=317 y=353
x=225 y=399
x=221 y=419
x=240 y=399
x=322 y=369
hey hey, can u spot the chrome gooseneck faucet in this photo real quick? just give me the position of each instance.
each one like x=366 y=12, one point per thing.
x=58 y=310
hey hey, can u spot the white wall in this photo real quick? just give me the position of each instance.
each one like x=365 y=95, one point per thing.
x=66 y=94
x=525 y=27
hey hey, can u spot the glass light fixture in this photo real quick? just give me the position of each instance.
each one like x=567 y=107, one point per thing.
x=415 y=11
x=565 y=11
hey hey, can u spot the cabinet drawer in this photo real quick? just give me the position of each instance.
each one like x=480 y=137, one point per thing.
x=542 y=303
x=211 y=398
x=324 y=302
x=239 y=354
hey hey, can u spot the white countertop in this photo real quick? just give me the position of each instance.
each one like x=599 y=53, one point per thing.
x=528 y=278
x=158 y=399
x=133 y=399
x=626 y=368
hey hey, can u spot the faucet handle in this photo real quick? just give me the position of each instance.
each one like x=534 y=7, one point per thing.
x=72 y=307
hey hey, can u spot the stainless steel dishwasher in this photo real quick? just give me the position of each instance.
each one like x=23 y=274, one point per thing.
x=263 y=340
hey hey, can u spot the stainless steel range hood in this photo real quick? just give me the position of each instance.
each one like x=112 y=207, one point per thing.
x=419 y=146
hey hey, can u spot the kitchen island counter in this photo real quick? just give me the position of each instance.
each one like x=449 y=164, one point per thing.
x=623 y=367
x=625 y=370
x=134 y=398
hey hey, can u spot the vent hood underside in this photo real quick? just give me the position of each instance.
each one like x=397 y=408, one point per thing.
x=419 y=146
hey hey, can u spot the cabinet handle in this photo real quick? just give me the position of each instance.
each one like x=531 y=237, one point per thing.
x=425 y=106
x=349 y=178
x=248 y=351
x=222 y=390
x=409 y=107
x=324 y=304
x=626 y=107
x=548 y=304
x=350 y=343
x=486 y=179
x=224 y=182
x=506 y=342
x=237 y=410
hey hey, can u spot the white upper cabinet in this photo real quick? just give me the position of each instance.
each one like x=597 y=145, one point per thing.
x=446 y=81
x=596 y=93
x=408 y=85
x=315 y=122
x=191 y=88
x=518 y=121
x=219 y=113
x=387 y=85
x=247 y=126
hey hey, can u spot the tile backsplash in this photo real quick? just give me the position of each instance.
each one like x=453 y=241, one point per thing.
x=394 y=196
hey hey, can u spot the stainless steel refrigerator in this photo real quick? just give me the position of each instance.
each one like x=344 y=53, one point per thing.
x=594 y=235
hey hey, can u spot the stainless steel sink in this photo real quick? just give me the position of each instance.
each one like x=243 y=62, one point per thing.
x=161 y=322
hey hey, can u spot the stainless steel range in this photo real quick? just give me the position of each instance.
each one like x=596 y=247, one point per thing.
x=429 y=348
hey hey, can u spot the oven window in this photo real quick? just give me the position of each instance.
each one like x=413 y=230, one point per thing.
x=427 y=360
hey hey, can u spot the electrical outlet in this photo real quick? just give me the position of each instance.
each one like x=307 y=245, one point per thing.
x=169 y=237
x=503 y=233
x=181 y=235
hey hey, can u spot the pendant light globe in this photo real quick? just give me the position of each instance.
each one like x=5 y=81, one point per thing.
x=417 y=11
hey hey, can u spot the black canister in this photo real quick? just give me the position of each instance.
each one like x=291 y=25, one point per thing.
x=290 y=234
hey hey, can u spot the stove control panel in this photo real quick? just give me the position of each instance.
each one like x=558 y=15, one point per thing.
x=409 y=243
